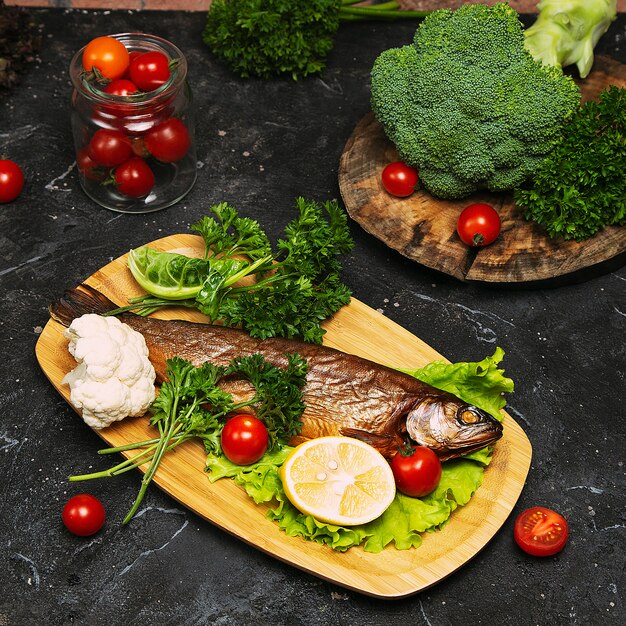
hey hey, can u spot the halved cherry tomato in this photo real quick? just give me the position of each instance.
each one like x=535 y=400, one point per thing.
x=83 y=515
x=540 y=531
x=11 y=180
x=134 y=178
x=149 y=70
x=108 y=55
x=399 y=179
x=478 y=224
x=417 y=471
x=244 y=439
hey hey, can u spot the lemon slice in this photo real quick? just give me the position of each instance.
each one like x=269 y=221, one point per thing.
x=338 y=480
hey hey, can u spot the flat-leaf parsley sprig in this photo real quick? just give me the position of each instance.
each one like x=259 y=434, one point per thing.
x=191 y=404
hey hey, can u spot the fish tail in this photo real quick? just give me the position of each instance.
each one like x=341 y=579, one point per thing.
x=79 y=301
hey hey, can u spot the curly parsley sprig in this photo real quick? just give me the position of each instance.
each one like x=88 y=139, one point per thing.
x=287 y=293
x=580 y=187
x=267 y=38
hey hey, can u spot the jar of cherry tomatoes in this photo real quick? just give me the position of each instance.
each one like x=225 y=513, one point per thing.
x=133 y=129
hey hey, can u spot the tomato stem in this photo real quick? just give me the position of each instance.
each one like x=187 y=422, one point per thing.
x=407 y=449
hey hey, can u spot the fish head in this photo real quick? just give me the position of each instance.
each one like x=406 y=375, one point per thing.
x=451 y=427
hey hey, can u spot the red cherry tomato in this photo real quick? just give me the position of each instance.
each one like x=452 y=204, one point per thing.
x=134 y=178
x=106 y=54
x=417 y=473
x=478 y=225
x=88 y=167
x=149 y=70
x=109 y=147
x=83 y=515
x=169 y=141
x=244 y=439
x=399 y=179
x=540 y=531
x=11 y=180
x=121 y=87
x=131 y=57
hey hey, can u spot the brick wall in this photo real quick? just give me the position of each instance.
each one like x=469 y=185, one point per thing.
x=522 y=6
x=202 y=5
x=156 y=5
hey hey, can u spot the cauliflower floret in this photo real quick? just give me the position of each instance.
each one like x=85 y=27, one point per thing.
x=85 y=326
x=139 y=392
x=132 y=365
x=101 y=402
x=100 y=353
x=114 y=378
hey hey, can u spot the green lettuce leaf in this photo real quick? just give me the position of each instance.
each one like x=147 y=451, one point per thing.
x=480 y=383
x=260 y=480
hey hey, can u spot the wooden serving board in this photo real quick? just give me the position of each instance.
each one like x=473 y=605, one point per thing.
x=357 y=329
x=423 y=228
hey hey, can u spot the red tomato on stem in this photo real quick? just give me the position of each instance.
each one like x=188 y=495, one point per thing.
x=88 y=167
x=244 y=439
x=400 y=179
x=149 y=70
x=109 y=147
x=121 y=87
x=131 y=57
x=417 y=471
x=11 y=180
x=169 y=141
x=83 y=515
x=134 y=178
x=478 y=225
x=540 y=531
x=107 y=55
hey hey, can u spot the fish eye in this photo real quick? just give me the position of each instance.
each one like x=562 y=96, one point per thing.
x=469 y=416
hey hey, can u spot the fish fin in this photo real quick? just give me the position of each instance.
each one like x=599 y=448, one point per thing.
x=380 y=442
x=78 y=301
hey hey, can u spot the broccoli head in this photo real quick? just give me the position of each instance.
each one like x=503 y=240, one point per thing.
x=467 y=105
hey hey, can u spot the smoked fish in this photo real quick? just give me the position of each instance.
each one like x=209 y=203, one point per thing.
x=344 y=394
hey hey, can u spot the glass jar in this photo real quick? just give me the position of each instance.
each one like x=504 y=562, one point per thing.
x=158 y=125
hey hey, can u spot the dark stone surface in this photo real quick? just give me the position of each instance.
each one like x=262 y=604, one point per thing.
x=564 y=349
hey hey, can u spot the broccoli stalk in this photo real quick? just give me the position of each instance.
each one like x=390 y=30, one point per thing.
x=566 y=31
x=467 y=105
x=284 y=37
x=384 y=10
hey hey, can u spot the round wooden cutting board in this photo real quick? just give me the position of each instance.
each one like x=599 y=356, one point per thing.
x=423 y=228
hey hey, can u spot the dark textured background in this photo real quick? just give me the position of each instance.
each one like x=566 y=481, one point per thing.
x=260 y=144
